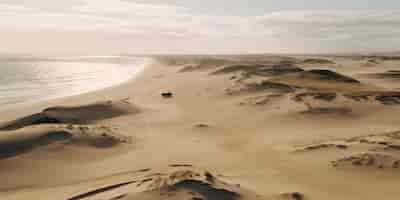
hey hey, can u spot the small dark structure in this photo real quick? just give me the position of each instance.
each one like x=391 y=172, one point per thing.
x=167 y=94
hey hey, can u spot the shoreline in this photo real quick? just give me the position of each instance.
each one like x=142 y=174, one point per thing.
x=53 y=100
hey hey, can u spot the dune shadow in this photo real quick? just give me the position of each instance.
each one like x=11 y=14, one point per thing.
x=16 y=147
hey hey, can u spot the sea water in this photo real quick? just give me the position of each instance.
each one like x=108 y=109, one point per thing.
x=34 y=79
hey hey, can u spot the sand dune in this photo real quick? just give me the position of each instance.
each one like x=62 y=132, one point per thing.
x=73 y=115
x=13 y=143
x=274 y=127
x=318 y=84
x=374 y=151
x=57 y=128
x=260 y=70
x=370 y=160
x=178 y=182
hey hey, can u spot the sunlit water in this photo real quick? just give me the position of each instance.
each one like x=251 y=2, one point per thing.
x=29 y=80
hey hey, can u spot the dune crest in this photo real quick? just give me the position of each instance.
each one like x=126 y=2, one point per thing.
x=83 y=114
x=177 y=182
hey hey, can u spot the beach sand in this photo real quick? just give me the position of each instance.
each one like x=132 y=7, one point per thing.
x=215 y=127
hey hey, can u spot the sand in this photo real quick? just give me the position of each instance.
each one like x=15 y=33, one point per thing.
x=214 y=127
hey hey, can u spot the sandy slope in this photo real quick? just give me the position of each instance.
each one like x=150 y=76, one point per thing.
x=242 y=127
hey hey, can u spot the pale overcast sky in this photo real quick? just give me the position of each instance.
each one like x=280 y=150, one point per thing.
x=94 y=27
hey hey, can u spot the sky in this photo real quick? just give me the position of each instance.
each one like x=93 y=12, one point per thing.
x=104 y=27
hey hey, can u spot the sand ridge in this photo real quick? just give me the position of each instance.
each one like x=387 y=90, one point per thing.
x=74 y=115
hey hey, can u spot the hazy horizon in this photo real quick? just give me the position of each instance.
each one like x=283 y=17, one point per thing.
x=112 y=27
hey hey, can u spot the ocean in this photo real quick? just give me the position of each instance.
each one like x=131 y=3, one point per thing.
x=35 y=79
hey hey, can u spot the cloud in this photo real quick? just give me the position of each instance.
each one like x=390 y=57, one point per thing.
x=130 y=8
x=5 y=8
x=339 y=24
x=291 y=30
